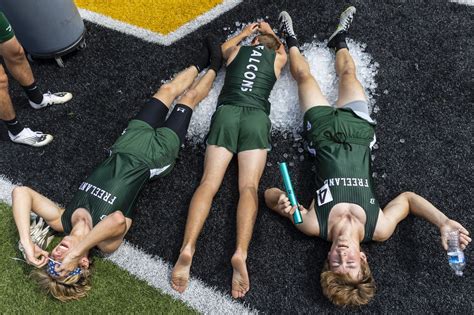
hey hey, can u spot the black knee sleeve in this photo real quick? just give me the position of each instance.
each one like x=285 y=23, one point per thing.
x=179 y=120
x=153 y=113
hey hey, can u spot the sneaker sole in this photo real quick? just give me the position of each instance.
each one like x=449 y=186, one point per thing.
x=338 y=30
x=287 y=16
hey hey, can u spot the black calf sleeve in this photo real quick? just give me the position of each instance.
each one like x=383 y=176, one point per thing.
x=179 y=120
x=153 y=113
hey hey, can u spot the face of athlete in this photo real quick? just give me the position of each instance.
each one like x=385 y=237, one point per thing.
x=346 y=257
x=64 y=247
x=255 y=41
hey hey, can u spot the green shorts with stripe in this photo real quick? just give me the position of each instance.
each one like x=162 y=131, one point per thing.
x=239 y=128
x=157 y=148
x=326 y=124
x=6 y=31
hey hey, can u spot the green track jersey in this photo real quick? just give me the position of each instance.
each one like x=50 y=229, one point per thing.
x=250 y=78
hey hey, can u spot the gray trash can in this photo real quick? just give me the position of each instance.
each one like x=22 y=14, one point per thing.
x=46 y=28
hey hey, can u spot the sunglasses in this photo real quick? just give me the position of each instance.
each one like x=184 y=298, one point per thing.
x=52 y=265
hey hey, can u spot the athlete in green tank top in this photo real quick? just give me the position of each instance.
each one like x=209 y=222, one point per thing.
x=101 y=211
x=239 y=126
x=345 y=210
x=250 y=78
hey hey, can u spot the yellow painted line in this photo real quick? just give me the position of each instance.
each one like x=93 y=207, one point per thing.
x=163 y=16
x=150 y=20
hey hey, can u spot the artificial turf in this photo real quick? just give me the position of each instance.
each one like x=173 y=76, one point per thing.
x=114 y=290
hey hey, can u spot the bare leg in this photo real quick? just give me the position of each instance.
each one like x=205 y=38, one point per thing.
x=168 y=92
x=215 y=165
x=16 y=61
x=6 y=107
x=251 y=166
x=350 y=88
x=199 y=90
x=308 y=89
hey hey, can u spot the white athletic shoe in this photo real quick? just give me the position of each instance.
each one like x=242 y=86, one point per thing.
x=52 y=99
x=32 y=138
x=286 y=24
x=345 y=21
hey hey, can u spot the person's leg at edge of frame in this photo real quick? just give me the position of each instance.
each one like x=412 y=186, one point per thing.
x=7 y=113
x=16 y=62
x=16 y=131
x=251 y=166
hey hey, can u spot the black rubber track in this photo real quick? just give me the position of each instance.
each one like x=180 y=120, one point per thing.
x=425 y=51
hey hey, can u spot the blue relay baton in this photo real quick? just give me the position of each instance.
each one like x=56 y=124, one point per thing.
x=297 y=219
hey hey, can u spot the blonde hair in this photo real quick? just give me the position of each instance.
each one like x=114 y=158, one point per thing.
x=68 y=289
x=269 y=41
x=342 y=290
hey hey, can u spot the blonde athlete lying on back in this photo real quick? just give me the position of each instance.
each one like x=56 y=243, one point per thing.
x=101 y=211
x=345 y=210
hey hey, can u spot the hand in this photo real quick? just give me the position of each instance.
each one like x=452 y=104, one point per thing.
x=285 y=208
x=450 y=225
x=35 y=255
x=250 y=29
x=69 y=263
x=264 y=28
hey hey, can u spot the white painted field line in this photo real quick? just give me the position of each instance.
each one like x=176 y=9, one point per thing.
x=153 y=37
x=156 y=272
x=466 y=2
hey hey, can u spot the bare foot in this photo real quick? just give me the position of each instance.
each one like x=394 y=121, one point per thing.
x=180 y=273
x=240 y=278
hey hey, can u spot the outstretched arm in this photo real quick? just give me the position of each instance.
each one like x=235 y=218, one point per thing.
x=111 y=228
x=232 y=44
x=408 y=202
x=26 y=200
x=277 y=200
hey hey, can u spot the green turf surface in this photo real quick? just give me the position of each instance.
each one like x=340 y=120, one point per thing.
x=113 y=289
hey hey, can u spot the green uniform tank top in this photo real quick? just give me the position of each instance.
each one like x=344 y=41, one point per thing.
x=250 y=78
x=343 y=175
x=113 y=185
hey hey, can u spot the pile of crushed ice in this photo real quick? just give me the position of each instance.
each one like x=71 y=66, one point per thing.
x=285 y=113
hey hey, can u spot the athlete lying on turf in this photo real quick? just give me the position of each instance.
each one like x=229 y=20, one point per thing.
x=101 y=211
x=239 y=126
x=344 y=210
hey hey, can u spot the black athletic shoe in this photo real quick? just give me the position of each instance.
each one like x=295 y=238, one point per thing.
x=215 y=52
x=345 y=21
x=286 y=25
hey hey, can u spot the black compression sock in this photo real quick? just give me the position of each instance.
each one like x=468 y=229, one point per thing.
x=214 y=49
x=14 y=126
x=33 y=92
x=338 y=42
x=292 y=42
x=201 y=60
